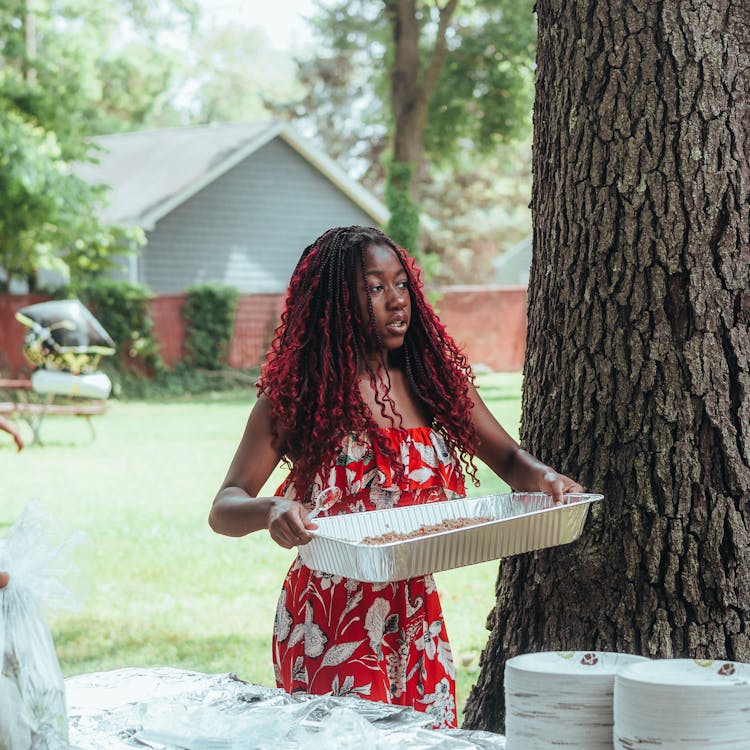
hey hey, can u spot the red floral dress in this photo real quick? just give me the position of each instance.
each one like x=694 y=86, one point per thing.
x=382 y=641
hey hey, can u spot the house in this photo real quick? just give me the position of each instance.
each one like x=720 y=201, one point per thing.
x=232 y=203
x=237 y=204
x=513 y=266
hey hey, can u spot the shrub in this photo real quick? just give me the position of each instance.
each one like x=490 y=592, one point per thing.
x=209 y=312
x=185 y=381
x=403 y=225
x=122 y=308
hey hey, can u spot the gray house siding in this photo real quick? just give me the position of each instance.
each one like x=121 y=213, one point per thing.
x=512 y=268
x=248 y=228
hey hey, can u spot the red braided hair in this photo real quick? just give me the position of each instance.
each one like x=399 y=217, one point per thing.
x=310 y=375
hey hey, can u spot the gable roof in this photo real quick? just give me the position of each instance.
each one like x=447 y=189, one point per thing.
x=150 y=173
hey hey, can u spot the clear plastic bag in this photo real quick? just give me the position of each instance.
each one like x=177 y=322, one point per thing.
x=32 y=692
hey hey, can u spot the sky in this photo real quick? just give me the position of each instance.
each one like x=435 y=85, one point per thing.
x=282 y=20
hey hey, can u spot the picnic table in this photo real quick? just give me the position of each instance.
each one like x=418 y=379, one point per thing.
x=18 y=399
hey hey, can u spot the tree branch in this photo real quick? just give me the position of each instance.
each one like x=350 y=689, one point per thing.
x=440 y=50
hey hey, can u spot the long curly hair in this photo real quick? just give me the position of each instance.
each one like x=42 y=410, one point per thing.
x=311 y=370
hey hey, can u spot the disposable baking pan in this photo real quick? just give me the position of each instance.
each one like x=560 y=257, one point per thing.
x=521 y=522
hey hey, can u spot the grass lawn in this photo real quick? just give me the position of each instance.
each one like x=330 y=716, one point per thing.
x=163 y=589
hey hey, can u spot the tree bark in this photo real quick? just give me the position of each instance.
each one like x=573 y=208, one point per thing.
x=637 y=371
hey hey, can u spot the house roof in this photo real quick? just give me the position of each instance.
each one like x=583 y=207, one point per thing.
x=150 y=173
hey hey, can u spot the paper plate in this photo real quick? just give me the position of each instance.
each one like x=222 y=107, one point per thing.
x=690 y=673
x=561 y=699
x=683 y=704
x=573 y=662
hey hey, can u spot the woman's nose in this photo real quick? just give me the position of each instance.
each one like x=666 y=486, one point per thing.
x=397 y=297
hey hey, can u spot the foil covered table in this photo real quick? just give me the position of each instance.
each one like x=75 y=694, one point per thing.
x=166 y=709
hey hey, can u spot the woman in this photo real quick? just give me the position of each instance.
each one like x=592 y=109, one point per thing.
x=363 y=391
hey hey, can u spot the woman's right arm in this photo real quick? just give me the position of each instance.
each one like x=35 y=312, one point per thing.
x=237 y=510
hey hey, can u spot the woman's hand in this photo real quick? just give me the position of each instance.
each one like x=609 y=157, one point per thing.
x=4 y=578
x=13 y=431
x=557 y=485
x=288 y=523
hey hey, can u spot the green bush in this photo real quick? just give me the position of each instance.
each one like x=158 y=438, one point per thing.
x=122 y=308
x=184 y=380
x=403 y=225
x=209 y=312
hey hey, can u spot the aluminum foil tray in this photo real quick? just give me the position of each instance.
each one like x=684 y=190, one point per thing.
x=521 y=522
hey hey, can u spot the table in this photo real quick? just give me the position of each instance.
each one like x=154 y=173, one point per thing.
x=170 y=708
x=17 y=390
x=32 y=408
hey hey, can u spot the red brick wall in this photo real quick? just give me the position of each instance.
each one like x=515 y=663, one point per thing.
x=12 y=361
x=489 y=323
x=169 y=327
x=257 y=317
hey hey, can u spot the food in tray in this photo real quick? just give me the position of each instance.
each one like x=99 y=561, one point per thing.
x=448 y=524
x=500 y=526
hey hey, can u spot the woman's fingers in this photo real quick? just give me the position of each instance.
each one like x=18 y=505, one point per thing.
x=558 y=485
x=570 y=486
x=285 y=533
x=288 y=525
x=551 y=484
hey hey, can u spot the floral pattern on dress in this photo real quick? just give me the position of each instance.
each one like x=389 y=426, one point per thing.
x=382 y=641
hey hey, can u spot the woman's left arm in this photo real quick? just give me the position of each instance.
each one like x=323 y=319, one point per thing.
x=510 y=462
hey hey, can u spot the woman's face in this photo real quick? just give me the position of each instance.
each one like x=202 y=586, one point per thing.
x=388 y=285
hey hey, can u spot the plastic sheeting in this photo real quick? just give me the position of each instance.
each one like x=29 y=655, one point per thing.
x=32 y=695
x=166 y=708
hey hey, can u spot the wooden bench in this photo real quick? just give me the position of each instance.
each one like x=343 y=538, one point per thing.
x=35 y=412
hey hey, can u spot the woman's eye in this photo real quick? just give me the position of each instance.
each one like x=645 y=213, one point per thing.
x=376 y=288
x=403 y=285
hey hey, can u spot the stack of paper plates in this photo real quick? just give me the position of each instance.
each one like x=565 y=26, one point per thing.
x=683 y=704
x=561 y=699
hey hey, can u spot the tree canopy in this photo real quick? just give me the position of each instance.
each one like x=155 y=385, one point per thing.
x=480 y=96
x=232 y=72
x=399 y=88
x=77 y=68
x=70 y=70
x=48 y=215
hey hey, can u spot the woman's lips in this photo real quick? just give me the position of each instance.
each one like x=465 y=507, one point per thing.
x=397 y=327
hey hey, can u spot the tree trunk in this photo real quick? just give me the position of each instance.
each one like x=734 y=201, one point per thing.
x=407 y=99
x=413 y=80
x=637 y=372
